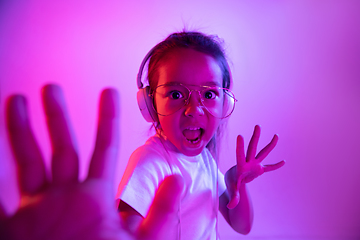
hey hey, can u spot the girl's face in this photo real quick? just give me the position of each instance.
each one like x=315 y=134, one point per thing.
x=191 y=128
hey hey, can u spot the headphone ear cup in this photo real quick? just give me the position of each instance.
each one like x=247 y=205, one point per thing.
x=146 y=105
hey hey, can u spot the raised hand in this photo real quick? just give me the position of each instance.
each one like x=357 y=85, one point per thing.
x=63 y=207
x=248 y=167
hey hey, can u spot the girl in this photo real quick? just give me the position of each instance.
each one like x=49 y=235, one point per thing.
x=188 y=100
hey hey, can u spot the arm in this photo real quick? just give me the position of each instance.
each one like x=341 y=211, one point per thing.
x=163 y=207
x=130 y=216
x=235 y=203
x=145 y=171
x=240 y=218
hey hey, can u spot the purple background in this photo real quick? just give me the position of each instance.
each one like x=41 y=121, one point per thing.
x=296 y=71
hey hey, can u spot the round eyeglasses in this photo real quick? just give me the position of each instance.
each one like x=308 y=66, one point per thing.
x=169 y=98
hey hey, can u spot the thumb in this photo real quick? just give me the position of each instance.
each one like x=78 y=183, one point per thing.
x=234 y=197
x=232 y=187
x=163 y=209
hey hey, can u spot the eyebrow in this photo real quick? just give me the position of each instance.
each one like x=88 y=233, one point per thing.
x=209 y=83
x=212 y=83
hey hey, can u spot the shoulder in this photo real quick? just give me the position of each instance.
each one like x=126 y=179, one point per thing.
x=150 y=157
x=146 y=167
x=150 y=152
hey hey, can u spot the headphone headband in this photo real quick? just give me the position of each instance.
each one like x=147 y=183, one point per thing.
x=144 y=100
x=142 y=65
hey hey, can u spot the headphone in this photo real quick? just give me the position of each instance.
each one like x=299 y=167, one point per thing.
x=145 y=101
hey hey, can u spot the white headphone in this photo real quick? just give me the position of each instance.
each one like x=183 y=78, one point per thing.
x=144 y=99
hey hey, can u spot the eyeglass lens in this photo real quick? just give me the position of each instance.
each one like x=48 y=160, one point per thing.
x=219 y=102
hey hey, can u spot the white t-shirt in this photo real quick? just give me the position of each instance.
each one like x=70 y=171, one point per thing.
x=204 y=183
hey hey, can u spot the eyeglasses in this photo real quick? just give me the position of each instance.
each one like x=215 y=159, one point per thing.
x=169 y=98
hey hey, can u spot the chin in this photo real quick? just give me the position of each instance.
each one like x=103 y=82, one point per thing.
x=192 y=152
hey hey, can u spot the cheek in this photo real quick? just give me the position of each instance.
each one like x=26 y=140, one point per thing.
x=168 y=124
x=214 y=123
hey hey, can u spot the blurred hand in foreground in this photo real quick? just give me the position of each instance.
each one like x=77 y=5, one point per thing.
x=64 y=208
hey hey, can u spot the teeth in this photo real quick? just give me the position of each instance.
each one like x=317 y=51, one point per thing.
x=194 y=141
x=193 y=128
x=193 y=134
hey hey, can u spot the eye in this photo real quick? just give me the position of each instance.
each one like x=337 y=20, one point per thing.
x=210 y=94
x=176 y=95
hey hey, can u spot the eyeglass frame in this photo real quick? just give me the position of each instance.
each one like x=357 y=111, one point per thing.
x=226 y=90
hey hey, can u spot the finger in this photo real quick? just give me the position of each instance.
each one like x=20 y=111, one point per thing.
x=30 y=164
x=164 y=209
x=240 y=152
x=268 y=148
x=234 y=194
x=272 y=167
x=65 y=164
x=234 y=200
x=107 y=140
x=251 y=151
x=241 y=178
x=232 y=185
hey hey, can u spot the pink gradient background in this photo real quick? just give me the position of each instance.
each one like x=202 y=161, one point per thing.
x=296 y=70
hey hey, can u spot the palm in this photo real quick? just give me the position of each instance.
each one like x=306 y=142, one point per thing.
x=250 y=171
x=66 y=212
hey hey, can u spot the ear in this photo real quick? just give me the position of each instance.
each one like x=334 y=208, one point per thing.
x=146 y=105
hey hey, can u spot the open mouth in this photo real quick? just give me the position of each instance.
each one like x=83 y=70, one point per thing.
x=193 y=134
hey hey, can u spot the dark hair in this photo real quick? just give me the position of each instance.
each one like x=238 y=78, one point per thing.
x=208 y=44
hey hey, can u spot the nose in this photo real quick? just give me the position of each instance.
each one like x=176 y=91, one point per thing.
x=194 y=106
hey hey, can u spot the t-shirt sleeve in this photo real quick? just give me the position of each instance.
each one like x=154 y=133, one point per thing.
x=146 y=169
